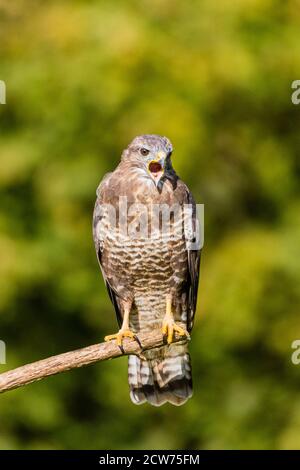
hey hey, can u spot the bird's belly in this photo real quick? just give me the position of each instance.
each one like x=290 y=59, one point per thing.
x=141 y=260
x=151 y=283
x=146 y=264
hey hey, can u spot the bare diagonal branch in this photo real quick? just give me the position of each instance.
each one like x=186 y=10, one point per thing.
x=81 y=357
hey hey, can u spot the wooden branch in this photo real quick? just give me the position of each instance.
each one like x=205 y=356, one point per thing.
x=81 y=357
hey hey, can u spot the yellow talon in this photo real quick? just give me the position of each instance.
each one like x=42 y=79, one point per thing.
x=119 y=336
x=180 y=331
x=168 y=329
x=165 y=329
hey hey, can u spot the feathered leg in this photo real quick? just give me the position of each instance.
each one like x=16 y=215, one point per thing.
x=169 y=325
x=124 y=331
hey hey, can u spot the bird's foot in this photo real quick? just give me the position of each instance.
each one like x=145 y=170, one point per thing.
x=169 y=327
x=120 y=336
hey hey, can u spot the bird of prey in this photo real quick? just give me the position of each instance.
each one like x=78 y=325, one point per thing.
x=150 y=273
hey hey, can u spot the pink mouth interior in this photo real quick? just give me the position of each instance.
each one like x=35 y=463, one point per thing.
x=155 y=167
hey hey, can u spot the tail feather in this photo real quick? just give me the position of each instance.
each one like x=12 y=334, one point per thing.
x=163 y=376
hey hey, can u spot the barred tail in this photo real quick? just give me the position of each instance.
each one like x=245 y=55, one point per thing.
x=163 y=376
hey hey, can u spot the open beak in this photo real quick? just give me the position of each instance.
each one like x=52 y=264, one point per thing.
x=156 y=167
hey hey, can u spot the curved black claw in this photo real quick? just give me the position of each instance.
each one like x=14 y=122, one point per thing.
x=138 y=342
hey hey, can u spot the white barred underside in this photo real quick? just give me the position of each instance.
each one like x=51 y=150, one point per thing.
x=144 y=259
x=146 y=268
x=149 y=268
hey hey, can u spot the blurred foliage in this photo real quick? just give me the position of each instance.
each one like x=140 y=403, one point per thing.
x=83 y=78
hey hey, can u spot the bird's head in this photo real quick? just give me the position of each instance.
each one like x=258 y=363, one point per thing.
x=153 y=154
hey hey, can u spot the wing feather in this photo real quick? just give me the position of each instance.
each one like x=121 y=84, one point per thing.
x=194 y=257
x=97 y=218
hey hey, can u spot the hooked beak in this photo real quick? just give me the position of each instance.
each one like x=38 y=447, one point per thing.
x=156 y=167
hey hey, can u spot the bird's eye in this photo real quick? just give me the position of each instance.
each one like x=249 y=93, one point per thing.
x=144 y=151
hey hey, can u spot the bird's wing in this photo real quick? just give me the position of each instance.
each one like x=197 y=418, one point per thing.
x=99 y=245
x=194 y=256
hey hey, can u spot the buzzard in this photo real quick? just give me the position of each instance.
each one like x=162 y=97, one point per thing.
x=150 y=270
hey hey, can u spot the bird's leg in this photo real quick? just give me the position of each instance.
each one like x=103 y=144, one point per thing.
x=124 y=331
x=169 y=326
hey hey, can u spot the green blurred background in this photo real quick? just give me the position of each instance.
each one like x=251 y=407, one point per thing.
x=83 y=78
